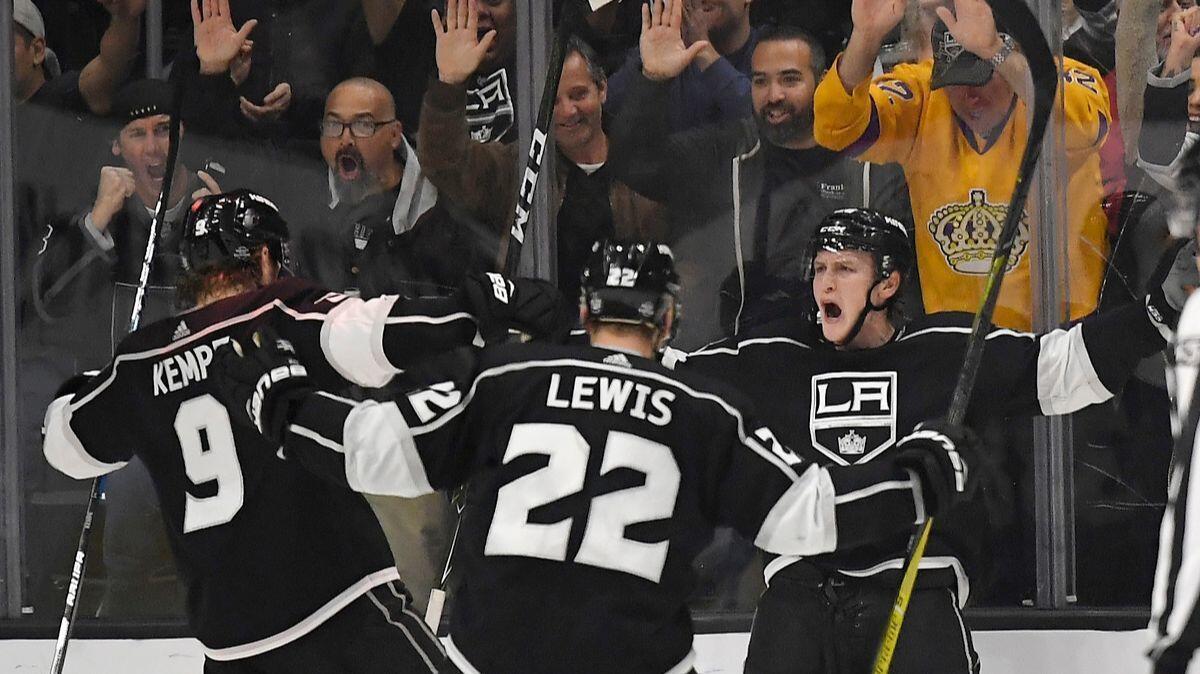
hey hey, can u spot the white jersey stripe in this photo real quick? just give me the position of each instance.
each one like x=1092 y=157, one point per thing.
x=352 y=339
x=308 y=624
x=63 y=449
x=1066 y=379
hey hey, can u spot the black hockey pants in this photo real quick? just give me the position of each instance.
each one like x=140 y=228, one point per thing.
x=810 y=623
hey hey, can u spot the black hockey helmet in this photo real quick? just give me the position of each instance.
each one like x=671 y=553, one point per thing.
x=631 y=282
x=863 y=229
x=231 y=225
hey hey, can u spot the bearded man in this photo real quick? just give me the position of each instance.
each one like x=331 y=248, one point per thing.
x=747 y=195
x=385 y=230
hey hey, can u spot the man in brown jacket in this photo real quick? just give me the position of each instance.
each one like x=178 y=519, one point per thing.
x=482 y=178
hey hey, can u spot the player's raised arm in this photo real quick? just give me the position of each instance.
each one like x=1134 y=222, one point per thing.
x=367 y=446
x=366 y=342
x=1087 y=363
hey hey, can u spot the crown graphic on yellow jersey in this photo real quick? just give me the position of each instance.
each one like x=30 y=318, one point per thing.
x=852 y=443
x=966 y=233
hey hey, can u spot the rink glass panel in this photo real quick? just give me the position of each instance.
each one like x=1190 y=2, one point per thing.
x=1092 y=545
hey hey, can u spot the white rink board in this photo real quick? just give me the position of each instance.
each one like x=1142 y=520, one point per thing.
x=1032 y=652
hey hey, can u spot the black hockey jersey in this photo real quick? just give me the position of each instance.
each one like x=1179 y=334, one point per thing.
x=849 y=408
x=596 y=477
x=269 y=551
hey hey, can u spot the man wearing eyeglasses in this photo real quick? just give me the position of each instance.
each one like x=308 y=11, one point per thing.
x=385 y=230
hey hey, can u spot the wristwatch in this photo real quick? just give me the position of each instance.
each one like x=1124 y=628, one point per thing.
x=1006 y=48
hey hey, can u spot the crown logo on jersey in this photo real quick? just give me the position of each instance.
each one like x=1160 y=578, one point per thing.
x=966 y=234
x=852 y=443
x=181 y=331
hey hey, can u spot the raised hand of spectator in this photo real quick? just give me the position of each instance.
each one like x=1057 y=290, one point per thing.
x=876 y=18
x=116 y=185
x=696 y=25
x=459 y=49
x=124 y=9
x=210 y=186
x=1185 y=40
x=217 y=42
x=972 y=24
x=273 y=106
x=664 y=54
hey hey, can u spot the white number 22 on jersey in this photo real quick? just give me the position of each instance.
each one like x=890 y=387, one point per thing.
x=604 y=542
x=205 y=416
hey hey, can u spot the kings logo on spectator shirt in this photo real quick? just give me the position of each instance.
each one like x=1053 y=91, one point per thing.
x=966 y=234
x=852 y=415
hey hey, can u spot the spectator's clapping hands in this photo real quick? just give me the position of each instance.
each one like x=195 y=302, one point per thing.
x=273 y=106
x=972 y=24
x=459 y=48
x=217 y=43
x=1185 y=40
x=124 y=9
x=664 y=54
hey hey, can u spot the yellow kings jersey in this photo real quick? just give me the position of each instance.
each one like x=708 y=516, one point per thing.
x=960 y=186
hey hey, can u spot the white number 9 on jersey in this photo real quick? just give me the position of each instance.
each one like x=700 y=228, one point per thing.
x=604 y=543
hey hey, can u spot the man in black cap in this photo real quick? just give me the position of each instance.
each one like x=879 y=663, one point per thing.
x=958 y=125
x=106 y=244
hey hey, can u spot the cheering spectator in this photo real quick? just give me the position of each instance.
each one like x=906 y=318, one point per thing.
x=36 y=77
x=958 y=131
x=715 y=86
x=104 y=246
x=481 y=177
x=384 y=230
x=1172 y=104
x=753 y=189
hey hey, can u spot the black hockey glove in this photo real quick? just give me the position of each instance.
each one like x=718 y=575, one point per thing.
x=264 y=380
x=940 y=454
x=532 y=306
x=1168 y=288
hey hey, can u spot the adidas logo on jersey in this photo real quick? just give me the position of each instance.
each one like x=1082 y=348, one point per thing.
x=618 y=359
x=181 y=331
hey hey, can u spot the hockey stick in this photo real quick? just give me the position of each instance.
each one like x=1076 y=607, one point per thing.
x=537 y=146
x=1023 y=26
x=572 y=14
x=67 y=626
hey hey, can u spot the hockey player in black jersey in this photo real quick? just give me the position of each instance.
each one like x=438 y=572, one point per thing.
x=596 y=477
x=285 y=572
x=846 y=399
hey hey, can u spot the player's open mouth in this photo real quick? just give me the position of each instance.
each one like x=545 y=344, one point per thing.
x=830 y=310
x=156 y=171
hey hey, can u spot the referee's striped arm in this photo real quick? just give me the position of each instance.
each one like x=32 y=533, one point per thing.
x=1175 y=620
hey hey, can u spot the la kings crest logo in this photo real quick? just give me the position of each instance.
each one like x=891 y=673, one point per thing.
x=852 y=415
x=966 y=234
